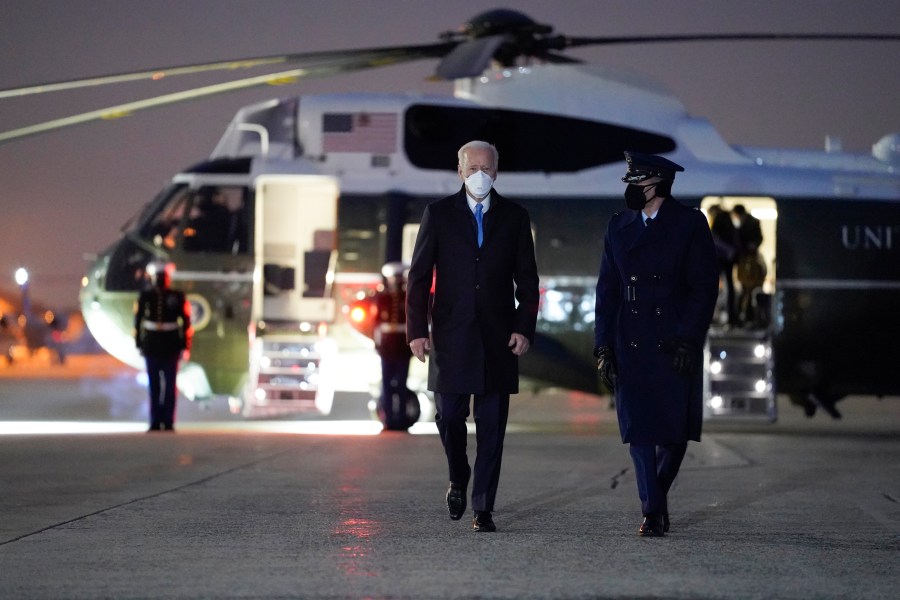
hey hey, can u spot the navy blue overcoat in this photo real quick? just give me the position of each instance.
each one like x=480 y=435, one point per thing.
x=657 y=285
x=481 y=295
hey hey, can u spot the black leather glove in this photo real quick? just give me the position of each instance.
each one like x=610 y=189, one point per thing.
x=686 y=357
x=606 y=364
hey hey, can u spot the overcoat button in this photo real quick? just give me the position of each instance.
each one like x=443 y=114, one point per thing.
x=633 y=344
x=634 y=311
x=634 y=277
x=658 y=310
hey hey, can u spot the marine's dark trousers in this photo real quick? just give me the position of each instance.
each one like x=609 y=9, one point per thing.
x=491 y=414
x=655 y=468
x=161 y=374
x=394 y=372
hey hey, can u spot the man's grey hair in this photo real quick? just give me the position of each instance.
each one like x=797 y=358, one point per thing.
x=479 y=144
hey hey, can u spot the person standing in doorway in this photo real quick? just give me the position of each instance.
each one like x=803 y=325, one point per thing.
x=476 y=249
x=725 y=239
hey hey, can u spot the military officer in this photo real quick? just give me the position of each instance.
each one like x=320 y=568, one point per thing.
x=656 y=293
x=398 y=406
x=162 y=325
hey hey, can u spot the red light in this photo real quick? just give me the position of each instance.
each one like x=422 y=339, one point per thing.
x=358 y=314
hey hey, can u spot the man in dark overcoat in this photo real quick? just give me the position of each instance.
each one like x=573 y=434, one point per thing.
x=475 y=247
x=656 y=294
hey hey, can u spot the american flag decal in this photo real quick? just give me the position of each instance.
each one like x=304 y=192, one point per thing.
x=359 y=132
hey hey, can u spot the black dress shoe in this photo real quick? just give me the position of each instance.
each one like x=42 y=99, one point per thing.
x=652 y=527
x=456 y=502
x=483 y=522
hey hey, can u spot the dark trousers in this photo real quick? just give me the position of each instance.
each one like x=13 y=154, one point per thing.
x=655 y=468
x=727 y=268
x=394 y=393
x=161 y=375
x=491 y=414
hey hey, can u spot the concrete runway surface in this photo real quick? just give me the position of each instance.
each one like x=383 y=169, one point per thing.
x=329 y=508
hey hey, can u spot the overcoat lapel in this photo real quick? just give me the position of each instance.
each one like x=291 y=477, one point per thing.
x=649 y=235
x=463 y=218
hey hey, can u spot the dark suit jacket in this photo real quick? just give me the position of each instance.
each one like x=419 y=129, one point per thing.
x=657 y=285
x=474 y=308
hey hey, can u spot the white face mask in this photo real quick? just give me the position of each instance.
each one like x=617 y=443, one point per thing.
x=479 y=184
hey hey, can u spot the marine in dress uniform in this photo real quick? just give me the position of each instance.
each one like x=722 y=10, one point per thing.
x=398 y=406
x=162 y=325
x=476 y=248
x=656 y=294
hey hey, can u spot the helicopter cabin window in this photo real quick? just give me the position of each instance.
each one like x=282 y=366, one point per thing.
x=527 y=141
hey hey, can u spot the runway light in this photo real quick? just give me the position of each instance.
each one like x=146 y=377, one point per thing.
x=716 y=402
x=21 y=276
x=759 y=351
x=715 y=367
x=761 y=385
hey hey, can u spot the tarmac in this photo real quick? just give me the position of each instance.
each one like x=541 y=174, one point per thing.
x=802 y=508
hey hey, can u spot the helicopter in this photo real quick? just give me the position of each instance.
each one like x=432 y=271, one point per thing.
x=561 y=128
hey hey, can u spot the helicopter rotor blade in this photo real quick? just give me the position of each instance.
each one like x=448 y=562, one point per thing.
x=372 y=60
x=470 y=58
x=406 y=52
x=562 y=42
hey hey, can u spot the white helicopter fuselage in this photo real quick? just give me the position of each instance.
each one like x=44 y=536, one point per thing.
x=829 y=218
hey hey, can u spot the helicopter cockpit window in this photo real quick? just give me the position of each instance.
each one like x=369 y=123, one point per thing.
x=527 y=141
x=217 y=221
x=212 y=219
x=164 y=227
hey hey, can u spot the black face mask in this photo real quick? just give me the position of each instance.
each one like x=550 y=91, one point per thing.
x=634 y=197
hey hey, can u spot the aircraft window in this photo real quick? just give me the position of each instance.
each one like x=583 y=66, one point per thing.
x=316 y=263
x=359 y=237
x=528 y=142
x=164 y=227
x=217 y=221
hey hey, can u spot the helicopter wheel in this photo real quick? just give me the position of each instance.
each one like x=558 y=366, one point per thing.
x=403 y=412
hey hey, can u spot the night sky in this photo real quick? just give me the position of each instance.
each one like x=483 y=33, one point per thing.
x=65 y=194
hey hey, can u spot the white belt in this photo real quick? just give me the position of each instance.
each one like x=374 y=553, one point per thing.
x=159 y=326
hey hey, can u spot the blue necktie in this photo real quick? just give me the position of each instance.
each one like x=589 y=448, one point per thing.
x=479 y=218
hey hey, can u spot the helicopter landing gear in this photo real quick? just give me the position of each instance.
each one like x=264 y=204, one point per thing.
x=399 y=410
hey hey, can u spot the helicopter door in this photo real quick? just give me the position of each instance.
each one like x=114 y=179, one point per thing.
x=739 y=363
x=294 y=245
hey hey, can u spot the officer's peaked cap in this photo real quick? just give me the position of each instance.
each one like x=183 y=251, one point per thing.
x=645 y=166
